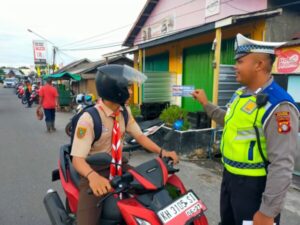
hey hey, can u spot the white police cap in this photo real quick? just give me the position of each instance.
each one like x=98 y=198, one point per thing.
x=244 y=46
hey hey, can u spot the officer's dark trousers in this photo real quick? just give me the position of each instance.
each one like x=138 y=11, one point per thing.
x=241 y=198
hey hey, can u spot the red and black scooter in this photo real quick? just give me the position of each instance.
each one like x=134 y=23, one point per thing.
x=151 y=195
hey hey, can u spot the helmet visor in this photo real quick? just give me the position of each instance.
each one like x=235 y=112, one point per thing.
x=133 y=75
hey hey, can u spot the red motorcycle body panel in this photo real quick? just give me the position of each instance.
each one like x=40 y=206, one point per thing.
x=131 y=209
x=70 y=189
x=175 y=181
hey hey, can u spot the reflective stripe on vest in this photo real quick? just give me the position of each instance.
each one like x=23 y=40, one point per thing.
x=239 y=145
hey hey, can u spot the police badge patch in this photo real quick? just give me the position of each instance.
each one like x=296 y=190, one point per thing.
x=283 y=122
x=81 y=131
x=249 y=107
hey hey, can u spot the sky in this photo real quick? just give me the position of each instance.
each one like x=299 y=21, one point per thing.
x=69 y=24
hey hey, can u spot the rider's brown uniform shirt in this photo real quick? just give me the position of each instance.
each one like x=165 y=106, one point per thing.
x=84 y=133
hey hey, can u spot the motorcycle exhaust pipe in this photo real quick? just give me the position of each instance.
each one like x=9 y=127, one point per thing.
x=56 y=210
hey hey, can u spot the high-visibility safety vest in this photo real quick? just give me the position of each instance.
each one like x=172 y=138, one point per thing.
x=240 y=153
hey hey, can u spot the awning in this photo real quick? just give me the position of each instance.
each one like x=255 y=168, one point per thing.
x=63 y=76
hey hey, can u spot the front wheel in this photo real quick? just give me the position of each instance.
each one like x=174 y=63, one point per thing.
x=68 y=129
x=24 y=101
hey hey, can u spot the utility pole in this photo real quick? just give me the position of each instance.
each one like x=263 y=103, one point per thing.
x=54 y=54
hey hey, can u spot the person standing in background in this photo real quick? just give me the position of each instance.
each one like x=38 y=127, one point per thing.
x=28 y=90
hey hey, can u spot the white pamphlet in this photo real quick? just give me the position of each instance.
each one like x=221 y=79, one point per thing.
x=247 y=222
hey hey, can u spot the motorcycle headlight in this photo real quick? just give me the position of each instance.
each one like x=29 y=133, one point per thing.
x=142 y=222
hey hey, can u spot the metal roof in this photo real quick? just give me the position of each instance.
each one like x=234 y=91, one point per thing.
x=120 y=52
x=68 y=67
x=94 y=65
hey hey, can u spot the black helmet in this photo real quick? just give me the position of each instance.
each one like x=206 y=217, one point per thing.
x=112 y=82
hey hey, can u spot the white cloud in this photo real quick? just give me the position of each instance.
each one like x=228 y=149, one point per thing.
x=63 y=21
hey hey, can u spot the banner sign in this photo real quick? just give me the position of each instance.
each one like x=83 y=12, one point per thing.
x=288 y=61
x=40 y=52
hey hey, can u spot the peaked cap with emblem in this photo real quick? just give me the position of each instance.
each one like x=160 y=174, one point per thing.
x=244 y=46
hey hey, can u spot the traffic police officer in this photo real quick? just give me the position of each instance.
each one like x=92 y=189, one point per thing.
x=112 y=83
x=259 y=138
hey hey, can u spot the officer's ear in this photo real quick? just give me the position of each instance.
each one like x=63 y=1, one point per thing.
x=261 y=62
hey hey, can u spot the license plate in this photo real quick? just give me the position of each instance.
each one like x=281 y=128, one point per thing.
x=182 y=210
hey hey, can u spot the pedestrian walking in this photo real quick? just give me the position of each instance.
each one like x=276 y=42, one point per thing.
x=49 y=102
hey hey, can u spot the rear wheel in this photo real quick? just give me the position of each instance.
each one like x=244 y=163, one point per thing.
x=68 y=129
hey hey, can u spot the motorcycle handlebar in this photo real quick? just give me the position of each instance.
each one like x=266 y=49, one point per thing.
x=119 y=183
x=169 y=163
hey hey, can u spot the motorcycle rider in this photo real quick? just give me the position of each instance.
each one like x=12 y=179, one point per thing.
x=28 y=90
x=113 y=86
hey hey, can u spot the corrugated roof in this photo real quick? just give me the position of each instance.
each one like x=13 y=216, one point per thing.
x=94 y=65
x=69 y=66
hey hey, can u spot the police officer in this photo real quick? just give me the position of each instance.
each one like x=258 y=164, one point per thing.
x=259 y=138
x=113 y=86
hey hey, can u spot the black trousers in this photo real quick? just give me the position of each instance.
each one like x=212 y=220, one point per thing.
x=241 y=198
x=27 y=94
x=49 y=115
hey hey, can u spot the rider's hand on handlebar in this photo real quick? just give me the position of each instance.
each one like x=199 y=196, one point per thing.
x=99 y=185
x=172 y=155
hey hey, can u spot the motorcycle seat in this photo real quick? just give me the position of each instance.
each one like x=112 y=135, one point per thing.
x=66 y=165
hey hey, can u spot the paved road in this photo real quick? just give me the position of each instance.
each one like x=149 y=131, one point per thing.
x=28 y=154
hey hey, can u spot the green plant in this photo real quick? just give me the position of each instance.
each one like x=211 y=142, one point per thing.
x=174 y=113
x=135 y=110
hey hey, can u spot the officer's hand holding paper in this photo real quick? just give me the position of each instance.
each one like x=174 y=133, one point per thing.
x=183 y=90
x=246 y=222
x=200 y=96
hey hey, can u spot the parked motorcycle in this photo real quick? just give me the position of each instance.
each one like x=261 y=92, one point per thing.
x=20 y=91
x=34 y=97
x=148 y=128
x=151 y=195
x=82 y=101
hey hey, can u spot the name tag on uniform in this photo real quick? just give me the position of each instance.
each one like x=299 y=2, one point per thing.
x=249 y=107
